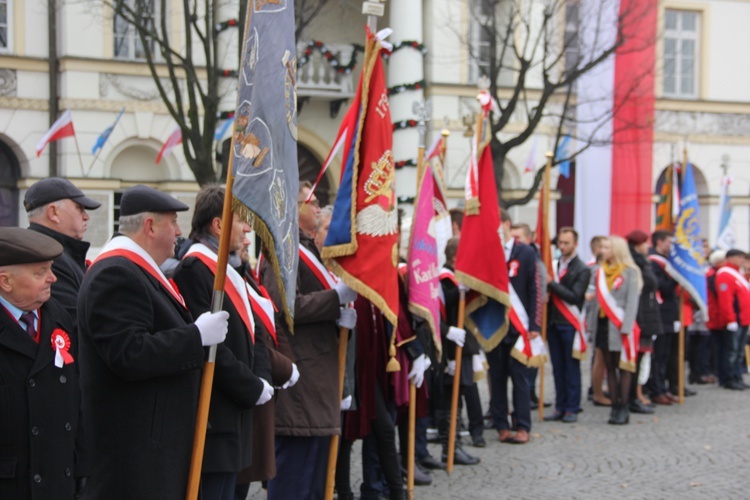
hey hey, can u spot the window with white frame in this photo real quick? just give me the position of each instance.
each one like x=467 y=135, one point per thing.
x=570 y=41
x=681 y=49
x=4 y=25
x=484 y=37
x=128 y=43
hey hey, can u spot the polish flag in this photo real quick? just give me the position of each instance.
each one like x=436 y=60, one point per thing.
x=62 y=128
x=174 y=139
x=613 y=181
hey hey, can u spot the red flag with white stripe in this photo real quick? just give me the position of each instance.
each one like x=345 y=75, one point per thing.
x=62 y=128
x=174 y=139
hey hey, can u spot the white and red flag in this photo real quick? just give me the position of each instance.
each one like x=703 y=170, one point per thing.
x=616 y=118
x=174 y=139
x=62 y=128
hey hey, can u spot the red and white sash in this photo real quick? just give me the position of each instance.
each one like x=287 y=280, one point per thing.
x=323 y=275
x=616 y=315
x=234 y=286
x=445 y=273
x=263 y=308
x=574 y=316
x=530 y=352
x=666 y=266
x=741 y=280
x=122 y=246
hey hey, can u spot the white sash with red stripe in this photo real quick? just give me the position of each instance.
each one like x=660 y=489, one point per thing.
x=263 y=308
x=530 y=352
x=235 y=285
x=122 y=246
x=574 y=316
x=735 y=274
x=326 y=278
x=616 y=315
x=667 y=266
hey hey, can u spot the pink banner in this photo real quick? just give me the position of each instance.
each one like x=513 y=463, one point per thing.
x=423 y=273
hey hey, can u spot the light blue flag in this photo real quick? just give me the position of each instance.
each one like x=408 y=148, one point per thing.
x=221 y=130
x=102 y=139
x=562 y=152
x=686 y=255
x=725 y=240
x=265 y=140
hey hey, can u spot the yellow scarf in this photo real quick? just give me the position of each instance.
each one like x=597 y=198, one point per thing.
x=611 y=272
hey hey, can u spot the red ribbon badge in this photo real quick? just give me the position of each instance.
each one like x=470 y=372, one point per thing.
x=617 y=283
x=513 y=266
x=61 y=345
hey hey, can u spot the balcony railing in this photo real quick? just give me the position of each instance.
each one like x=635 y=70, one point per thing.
x=319 y=78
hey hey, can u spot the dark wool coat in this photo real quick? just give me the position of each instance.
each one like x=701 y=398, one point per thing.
x=39 y=410
x=140 y=363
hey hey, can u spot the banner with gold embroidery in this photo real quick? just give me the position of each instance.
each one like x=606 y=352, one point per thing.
x=362 y=243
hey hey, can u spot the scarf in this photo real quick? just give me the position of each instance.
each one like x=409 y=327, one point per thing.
x=611 y=272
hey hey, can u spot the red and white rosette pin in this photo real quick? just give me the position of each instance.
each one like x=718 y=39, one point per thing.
x=61 y=345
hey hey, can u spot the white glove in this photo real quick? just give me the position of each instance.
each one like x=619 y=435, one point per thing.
x=418 y=367
x=348 y=318
x=293 y=379
x=457 y=335
x=266 y=394
x=346 y=294
x=733 y=327
x=477 y=366
x=450 y=368
x=346 y=403
x=212 y=327
x=677 y=326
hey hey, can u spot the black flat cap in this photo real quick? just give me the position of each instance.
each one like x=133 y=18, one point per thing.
x=24 y=246
x=140 y=198
x=54 y=189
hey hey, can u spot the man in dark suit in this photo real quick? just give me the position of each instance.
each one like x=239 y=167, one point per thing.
x=56 y=208
x=242 y=367
x=523 y=276
x=567 y=291
x=40 y=399
x=141 y=355
x=309 y=413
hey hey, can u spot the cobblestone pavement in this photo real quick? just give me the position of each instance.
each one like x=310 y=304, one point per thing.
x=699 y=450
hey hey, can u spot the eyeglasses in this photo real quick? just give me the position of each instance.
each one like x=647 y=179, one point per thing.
x=313 y=203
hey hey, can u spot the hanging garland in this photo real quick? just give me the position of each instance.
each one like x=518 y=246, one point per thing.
x=404 y=44
x=403 y=124
x=226 y=25
x=225 y=115
x=329 y=56
x=228 y=73
x=397 y=89
x=406 y=199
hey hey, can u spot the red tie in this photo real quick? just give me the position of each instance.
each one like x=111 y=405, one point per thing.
x=28 y=318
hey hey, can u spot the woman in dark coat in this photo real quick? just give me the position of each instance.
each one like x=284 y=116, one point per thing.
x=649 y=318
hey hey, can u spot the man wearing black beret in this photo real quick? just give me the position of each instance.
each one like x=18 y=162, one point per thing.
x=40 y=399
x=56 y=208
x=141 y=357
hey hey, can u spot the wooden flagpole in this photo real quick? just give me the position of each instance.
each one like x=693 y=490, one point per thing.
x=545 y=224
x=459 y=349
x=681 y=335
x=217 y=301
x=333 y=451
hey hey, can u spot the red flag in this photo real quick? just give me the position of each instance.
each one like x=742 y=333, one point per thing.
x=173 y=140
x=542 y=225
x=62 y=128
x=362 y=243
x=480 y=261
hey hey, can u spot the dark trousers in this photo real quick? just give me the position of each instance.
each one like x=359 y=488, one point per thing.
x=470 y=395
x=502 y=367
x=741 y=366
x=218 y=485
x=657 y=383
x=566 y=369
x=699 y=354
x=382 y=456
x=301 y=464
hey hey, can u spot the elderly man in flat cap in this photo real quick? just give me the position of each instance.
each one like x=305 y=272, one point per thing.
x=141 y=357
x=57 y=208
x=40 y=399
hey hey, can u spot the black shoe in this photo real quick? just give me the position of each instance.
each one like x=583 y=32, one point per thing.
x=688 y=393
x=558 y=415
x=638 y=407
x=619 y=415
x=429 y=462
x=735 y=385
x=460 y=457
x=534 y=406
x=400 y=494
x=421 y=476
x=570 y=417
x=478 y=441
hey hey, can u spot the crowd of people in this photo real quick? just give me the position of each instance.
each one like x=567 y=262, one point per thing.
x=100 y=362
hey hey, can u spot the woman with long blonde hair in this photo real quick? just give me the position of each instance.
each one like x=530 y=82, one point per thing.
x=618 y=286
